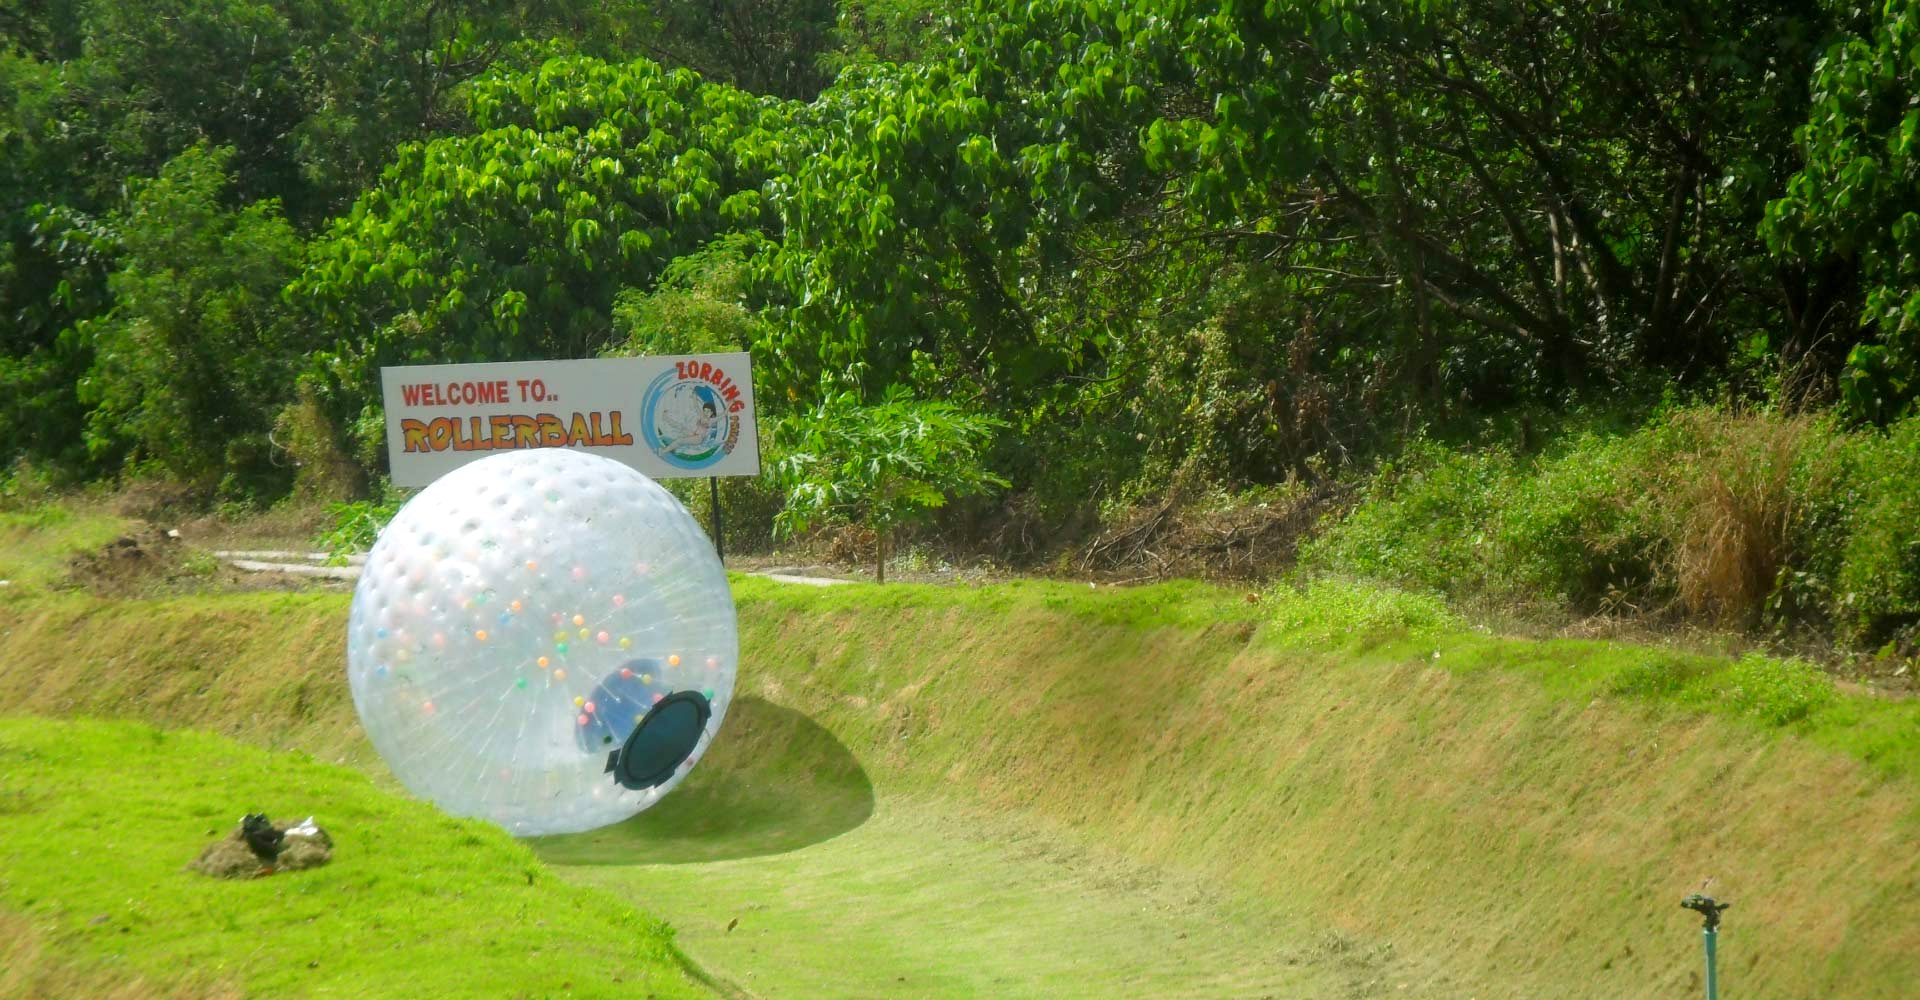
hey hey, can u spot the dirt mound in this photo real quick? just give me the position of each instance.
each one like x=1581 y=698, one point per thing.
x=131 y=564
x=295 y=848
x=157 y=562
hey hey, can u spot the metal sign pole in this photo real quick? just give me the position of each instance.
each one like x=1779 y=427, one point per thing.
x=719 y=533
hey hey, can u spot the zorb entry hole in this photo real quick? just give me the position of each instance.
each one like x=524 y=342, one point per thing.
x=662 y=741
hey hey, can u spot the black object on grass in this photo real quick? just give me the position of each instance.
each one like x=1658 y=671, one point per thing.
x=261 y=837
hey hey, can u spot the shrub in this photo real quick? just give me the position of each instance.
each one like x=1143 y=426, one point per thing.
x=1733 y=502
x=1567 y=527
x=1424 y=520
x=1739 y=518
x=1874 y=526
x=1777 y=692
x=1577 y=528
x=356 y=524
x=25 y=486
x=883 y=466
x=322 y=469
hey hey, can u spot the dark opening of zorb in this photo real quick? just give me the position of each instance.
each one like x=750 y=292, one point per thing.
x=665 y=737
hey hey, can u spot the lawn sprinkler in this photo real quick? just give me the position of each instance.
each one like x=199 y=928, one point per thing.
x=1710 y=910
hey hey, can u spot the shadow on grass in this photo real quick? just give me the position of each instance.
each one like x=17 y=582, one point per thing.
x=774 y=781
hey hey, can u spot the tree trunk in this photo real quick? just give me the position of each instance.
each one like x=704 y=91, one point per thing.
x=880 y=554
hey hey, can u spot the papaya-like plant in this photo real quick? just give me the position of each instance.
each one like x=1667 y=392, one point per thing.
x=881 y=466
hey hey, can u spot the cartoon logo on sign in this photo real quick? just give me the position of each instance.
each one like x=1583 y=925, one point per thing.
x=690 y=416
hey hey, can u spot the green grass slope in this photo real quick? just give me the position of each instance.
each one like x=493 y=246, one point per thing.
x=98 y=819
x=1332 y=792
x=36 y=544
x=1530 y=812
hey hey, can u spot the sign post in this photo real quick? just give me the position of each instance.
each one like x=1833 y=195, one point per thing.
x=719 y=535
x=670 y=417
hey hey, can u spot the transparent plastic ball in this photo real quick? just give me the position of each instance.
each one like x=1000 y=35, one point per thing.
x=520 y=619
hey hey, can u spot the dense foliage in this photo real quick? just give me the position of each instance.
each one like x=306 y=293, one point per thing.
x=306 y=101
x=1854 y=208
x=581 y=179
x=1166 y=243
x=1788 y=523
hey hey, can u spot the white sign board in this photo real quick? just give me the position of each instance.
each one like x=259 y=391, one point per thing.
x=669 y=417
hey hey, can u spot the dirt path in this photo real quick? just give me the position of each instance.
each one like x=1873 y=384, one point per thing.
x=315 y=565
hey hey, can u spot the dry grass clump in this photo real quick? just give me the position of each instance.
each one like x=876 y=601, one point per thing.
x=1736 y=504
x=303 y=436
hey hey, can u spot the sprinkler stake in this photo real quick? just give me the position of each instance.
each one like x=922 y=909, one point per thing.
x=1710 y=910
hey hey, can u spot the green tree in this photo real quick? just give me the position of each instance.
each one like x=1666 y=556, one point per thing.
x=311 y=98
x=772 y=47
x=1380 y=213
x=44 y=29
x=585 y=178
x=882 y=466
x=195 y=357
x=698 y=306
x=1852 y=213
x=55 y=255
x=886 y=31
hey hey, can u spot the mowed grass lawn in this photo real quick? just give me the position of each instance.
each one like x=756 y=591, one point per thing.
x=99 y=819
x=933 y=901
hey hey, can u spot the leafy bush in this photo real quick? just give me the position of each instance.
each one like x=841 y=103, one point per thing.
x=1872 y=524
x=1323 y=611
x=357 y=524
x=25 y=486
x=1742 y=519
x=1567 y=527
x=1424 y=520
x=1777 y=692
x=1576 y=528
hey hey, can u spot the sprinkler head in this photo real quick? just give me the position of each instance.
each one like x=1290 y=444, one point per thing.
x=1707 y=907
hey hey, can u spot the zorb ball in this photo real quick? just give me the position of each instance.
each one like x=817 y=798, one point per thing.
x=542 y=638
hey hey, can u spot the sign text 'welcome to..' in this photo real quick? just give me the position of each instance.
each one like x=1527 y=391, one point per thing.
x=669 y=417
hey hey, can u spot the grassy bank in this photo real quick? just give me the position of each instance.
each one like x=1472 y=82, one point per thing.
x=1511 y=815
x=98 y=820
x=1533 y=810
x=37 y=543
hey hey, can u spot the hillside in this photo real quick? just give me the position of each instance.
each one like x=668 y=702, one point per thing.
x=1036 y=789
x=100 y=819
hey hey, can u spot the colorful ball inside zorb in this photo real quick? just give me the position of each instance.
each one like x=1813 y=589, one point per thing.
x=542 y=638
